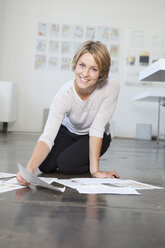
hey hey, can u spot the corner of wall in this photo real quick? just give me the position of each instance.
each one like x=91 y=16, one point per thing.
x=1 y=36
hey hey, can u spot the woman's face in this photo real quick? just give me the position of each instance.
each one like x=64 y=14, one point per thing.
x=86 y=72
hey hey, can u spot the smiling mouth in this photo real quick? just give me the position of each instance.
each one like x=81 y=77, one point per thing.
x=84 y=80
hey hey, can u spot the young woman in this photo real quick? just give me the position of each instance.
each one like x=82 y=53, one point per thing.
x=77 y=130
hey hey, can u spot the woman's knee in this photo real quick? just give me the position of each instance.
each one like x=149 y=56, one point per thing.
x=65 y=169
x=46 y=168
x=43 y=169
x=68 y=168
x=106 y=143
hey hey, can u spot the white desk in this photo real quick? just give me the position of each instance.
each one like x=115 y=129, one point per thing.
x=153 y=96
x=154 y=72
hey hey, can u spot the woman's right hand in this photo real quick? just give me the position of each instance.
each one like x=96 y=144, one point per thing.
x=106 y=174
x=21 y=180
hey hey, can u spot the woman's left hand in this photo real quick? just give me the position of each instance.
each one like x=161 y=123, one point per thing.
x=106 y=174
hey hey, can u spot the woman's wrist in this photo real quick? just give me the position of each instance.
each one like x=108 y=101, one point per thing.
x=30 y=170
x=93 y=174
x=30 y=167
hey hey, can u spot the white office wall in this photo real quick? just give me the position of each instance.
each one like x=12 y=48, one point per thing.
x=1 y=31
x=35 y=89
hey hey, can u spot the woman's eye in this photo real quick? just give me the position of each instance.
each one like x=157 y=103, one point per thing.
x=82 y=65
x=94 y=69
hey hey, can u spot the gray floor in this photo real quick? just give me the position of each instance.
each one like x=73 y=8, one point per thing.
x=37 y=217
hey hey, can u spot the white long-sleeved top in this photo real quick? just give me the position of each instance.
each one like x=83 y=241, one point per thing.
x=81 y=117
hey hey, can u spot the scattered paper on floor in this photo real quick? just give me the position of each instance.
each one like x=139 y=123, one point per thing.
x=6 y=175
x=117 y=182
x=103 y=189
x=82 y=185
x=94 y=186
x=5 y=187
x=105 y=185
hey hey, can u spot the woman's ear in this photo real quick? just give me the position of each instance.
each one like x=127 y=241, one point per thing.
x=101 y=74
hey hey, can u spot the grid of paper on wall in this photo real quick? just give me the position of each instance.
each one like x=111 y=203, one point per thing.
x=142 y=47
x=56 y=44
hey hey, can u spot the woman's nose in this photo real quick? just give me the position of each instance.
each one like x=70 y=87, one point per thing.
x=85 y=72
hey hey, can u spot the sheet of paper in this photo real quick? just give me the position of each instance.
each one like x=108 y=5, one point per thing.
x=103 y=189
x=96 y=180
x=112 y=181
x=12 y=181
x=74 y=182
x=5 y=187
x=95 y=186
x=31 y=178
x=6 y=175
x=135 y=184
x=48 y=180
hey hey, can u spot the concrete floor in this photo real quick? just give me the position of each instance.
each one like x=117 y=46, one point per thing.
x=37 y=217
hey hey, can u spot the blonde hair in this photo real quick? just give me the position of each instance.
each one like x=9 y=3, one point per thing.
x=100 y=55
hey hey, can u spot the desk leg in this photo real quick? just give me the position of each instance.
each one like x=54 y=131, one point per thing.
x=5 y=124
x=158 y=125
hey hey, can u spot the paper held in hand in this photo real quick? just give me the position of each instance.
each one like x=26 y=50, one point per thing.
x=31 y=178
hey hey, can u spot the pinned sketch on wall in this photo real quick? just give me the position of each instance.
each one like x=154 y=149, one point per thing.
x=56 y=44
x=143 y=47
x=53 y=63
x=66 y=31
x=103 y=34
x=114 y=35
x=114 y=66
x=78 y=32
x=54 y=30
x=65 y=63
x=66 y=47
x=42 y=29
x=90 y=32
x=53 y=47
x=114 y=51
x=41 y=46
x=40 y=62
x=75 y=46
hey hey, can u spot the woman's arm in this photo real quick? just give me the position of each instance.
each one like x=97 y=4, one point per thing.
x=59 y=107
x=95 y=144
x=39 y=154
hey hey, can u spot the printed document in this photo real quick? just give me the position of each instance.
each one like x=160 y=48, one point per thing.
x=31 y=178
x=6 y=175
x=95 y=186
x=5 y=187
